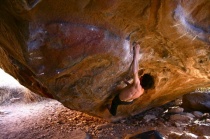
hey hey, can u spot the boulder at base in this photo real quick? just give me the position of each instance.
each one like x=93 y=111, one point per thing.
x=199 y=101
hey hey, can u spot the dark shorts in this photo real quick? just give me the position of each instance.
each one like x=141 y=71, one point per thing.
x=115 y=102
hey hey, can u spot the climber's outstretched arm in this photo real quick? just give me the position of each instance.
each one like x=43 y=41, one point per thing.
x=136 y=63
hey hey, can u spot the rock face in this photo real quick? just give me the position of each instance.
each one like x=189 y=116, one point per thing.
x=197 y=101
x=78 y=51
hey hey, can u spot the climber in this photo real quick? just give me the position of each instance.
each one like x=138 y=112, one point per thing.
x=132 y=90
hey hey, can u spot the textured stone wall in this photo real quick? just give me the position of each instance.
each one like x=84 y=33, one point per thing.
x=78 y=51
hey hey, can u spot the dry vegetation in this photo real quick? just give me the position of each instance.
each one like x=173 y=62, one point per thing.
x=14 y=95
x=12 y=92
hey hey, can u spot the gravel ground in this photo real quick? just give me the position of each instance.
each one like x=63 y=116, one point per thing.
x=49 y=119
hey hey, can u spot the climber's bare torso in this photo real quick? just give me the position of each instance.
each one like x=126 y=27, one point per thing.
x=134 y=90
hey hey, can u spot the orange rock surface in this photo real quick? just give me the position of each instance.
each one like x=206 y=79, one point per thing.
x=78 y=51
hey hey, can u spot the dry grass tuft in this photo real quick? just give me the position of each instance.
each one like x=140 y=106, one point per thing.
x=17 y=95
x=31 y=97
x=12 y=92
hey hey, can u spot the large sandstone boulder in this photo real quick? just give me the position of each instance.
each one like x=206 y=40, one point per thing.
x=77 y=51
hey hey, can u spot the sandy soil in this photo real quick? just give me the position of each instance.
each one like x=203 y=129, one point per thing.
x=51 y=120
